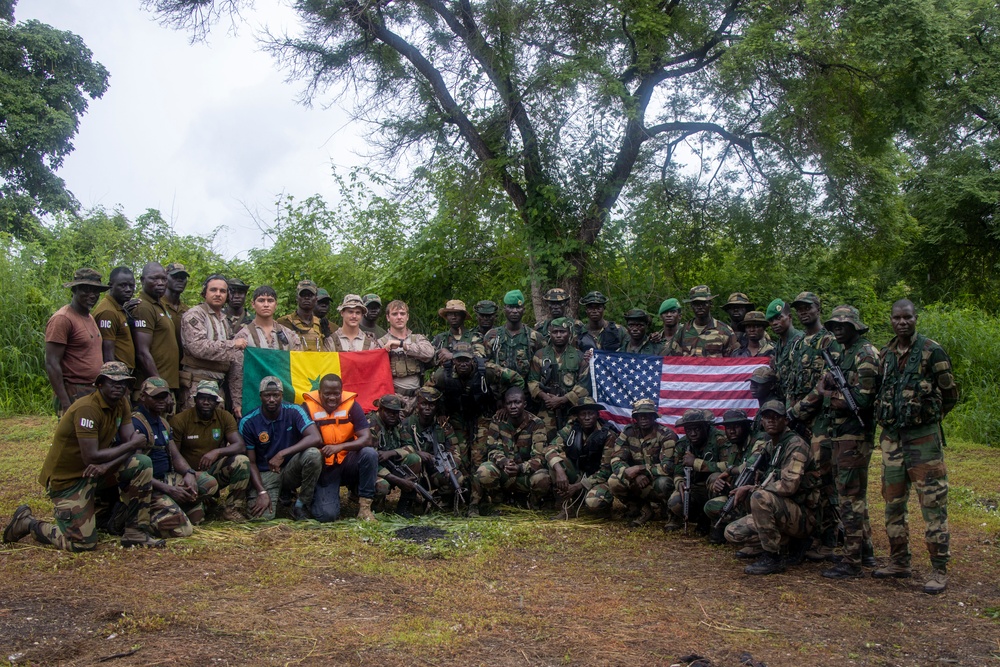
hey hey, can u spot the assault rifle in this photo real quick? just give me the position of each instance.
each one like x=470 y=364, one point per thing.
x=403 y=472
x=444 y=462
x=687 y=496
x=841 y=382
x=748 y=475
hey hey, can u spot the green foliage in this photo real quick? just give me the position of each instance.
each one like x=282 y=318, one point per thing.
x=972 y=340
x=47 y=77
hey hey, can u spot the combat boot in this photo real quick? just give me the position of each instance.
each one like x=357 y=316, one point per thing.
x=892 y=570
x=717 y=535
x=136 y=537
x=473 y=510
x=117 y=519
x=404 y=504
x=365 y=510
x=937 y=582
x=843 y=570
x=768 y=563
x=645 y=514
x=20 y=524
x=672 y=524
x=796 y=552
x=868 y=555
x=300 y=513
x=233 y=513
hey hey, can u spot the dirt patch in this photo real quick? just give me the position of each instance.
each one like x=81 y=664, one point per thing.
x=420 y=534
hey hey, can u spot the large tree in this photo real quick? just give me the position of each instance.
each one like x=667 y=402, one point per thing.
x=569 y=105
x=47 y=77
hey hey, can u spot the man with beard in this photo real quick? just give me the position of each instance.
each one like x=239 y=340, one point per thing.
x=113 y=321
x=73 y=351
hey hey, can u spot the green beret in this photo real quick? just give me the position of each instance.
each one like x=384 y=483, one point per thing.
x=774 y=309
x=513 y=298
x=669 y=304
x=560 y=323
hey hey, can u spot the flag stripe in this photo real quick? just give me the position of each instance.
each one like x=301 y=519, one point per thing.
x=721 y=385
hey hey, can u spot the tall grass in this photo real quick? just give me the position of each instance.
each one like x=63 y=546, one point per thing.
x=972 y=340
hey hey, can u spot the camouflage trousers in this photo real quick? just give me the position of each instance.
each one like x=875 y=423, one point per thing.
x=825 y=529
x=383 y=486
x=301 y=472
x=189 y=379
x=491 y=478
x=771 y=519
x=75 y=528
x=166 y=516
x=628 y=490
x=599 y=498
x=554 y=420
x=915 y=457
x=852 y=456
x=696 y=506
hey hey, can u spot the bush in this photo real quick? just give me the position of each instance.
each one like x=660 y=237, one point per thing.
x=972 y=339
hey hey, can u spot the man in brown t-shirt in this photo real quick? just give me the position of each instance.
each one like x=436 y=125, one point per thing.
x=156 y=351
x=83 y=461
x=209 y=440
x=73 y=342
x=113 y=321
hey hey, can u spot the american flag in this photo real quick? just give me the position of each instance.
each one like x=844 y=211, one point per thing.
x=676 y=384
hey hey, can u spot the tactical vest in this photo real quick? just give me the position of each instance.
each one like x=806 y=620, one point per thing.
x=403 y=365
x=336 y=428
x=587 y=454
x=469 y=399
x=155 y=450
x=368 y=344
x=908 y=398
x=217 y=331
x=252 y=328
x=560 y=378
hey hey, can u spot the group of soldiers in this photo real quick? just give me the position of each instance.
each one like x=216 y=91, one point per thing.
x=486 y=415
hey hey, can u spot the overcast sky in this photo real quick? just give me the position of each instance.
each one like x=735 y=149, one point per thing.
x=199 y=131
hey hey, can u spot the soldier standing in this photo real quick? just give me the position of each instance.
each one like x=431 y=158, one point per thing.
x=558 y=377
x=408 y=354
x=753 y=338
x=638 y=340
x=670 y=316
x=373 y=308
x=598 y=333
x=236 y=311
x=486 y=318
x=157 y=352
x=350 y=337
x=737 y=306
x=918 y=390
x=703 y=336
x=513 y=344
x=304 y=321
x=556 y=301
x=455 y=314
x=779 y=314
x=112 y=319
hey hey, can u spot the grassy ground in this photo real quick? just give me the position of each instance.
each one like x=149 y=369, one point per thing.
x=516 y=589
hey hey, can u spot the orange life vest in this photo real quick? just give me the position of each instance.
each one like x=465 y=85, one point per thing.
x=335 y=428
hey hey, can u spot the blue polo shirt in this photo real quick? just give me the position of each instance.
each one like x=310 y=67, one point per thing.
x=267 y=437
x=159 y=455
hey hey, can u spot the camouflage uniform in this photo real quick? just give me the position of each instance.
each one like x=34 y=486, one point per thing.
x=388 y=440
x=523 y=444
x=715 y=340
x=783 y=506
x=586 y=458
x=710 y=461
x=851 y=443
x=609 y=338
x=513 y=351
x=655 y=452
x=417 y=438
x=918 y=390
x=559 y=375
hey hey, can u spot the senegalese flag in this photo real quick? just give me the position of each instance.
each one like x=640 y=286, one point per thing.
x=365 y=373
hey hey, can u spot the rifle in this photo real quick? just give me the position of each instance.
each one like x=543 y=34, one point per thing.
x=687 y=496
x=555 y=388
x=749 y=474
x=445 y=462
x=405 y=473
x=841 y=382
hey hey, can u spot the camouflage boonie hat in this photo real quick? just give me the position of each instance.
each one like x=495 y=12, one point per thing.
x=486 y=307
x=775 y=308
x=763 y=375
x=173 y=268
x=154 y=386
x=88 y=277
x=453 y=306
x=323 y=295
x=699 y=293
x=271 y=382
x=735 y=417
x=753 y=317
x=668 y=305
x=637 y=314
x=561 y=323
x=515 y=297
x=586 y=403
x=644 y=406
x=777 y=407
x=846 y=315
x=429 y=394
x=462 y=350
x=806 y=298
x=210 y=387
x=593 y=297
x=368 y=299
x=306 y=286
x=738 y=299
x=556 y=294
x=693 y=416
x=351 y=301
x=115 y=371
x=237 y=285
x=389 y=402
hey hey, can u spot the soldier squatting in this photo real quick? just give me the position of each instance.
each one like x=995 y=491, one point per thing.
x=149 y=392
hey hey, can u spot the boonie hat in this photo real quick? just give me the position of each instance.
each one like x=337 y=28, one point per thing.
x=463 y=350
x=453 y=306
x=846 y=315
x=209 y=387
x=753 y=317
x=88 y=277
x=593 y=297
x=586 y=403
x=389 y=402
x=351 y=301
x=738 y=299
x=699 y=293
x=735 y=417
x=644 y=406
x=486 y=307
x=556 y=294
x=430 y=394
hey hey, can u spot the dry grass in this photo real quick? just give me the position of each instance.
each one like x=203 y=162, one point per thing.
x=511 y=590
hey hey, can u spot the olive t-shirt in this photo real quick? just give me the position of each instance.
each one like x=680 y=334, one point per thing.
x=82 y=359
x=113 y=325
x=89 y=417
x=196 y=437
x=151 y=317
